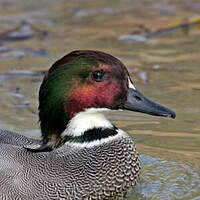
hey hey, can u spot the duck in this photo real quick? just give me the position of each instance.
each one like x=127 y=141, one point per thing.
x=82 y=155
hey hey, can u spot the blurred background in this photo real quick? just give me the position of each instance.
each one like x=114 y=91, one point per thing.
x=158 y=41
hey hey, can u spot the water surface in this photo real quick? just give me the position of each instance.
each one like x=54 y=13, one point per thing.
x=165 y=69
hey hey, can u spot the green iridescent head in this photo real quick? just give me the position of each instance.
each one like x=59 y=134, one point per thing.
x=80 y=80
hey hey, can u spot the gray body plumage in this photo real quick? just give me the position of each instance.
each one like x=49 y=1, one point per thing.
x=9 y=137
x=105 y=171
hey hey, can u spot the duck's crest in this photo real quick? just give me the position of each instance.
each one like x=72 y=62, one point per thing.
x=99 y=56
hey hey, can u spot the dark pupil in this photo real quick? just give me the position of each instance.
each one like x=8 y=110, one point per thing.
x=98 y=75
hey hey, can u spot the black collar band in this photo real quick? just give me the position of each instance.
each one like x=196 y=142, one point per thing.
x=92 y=135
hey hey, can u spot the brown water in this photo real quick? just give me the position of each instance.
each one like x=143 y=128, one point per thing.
x=166 y=69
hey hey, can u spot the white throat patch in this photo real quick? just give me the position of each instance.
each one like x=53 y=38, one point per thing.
x=86 y=120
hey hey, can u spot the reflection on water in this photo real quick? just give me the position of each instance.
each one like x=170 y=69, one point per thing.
x=18 y=105
x=165 y=69
x=167 y=180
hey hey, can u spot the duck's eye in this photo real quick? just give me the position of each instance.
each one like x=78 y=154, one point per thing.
x=98 y=75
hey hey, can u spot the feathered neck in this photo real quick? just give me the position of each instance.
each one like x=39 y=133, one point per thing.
x=89 y=128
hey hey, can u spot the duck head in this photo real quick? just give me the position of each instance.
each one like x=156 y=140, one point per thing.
x=88 y=79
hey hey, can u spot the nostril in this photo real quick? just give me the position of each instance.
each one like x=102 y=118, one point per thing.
x=137 y=98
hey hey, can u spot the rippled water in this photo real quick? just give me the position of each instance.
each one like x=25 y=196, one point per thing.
x=164 y=68
x=165 y=179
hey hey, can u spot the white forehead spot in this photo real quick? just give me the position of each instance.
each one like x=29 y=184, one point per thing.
x=130 y=85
